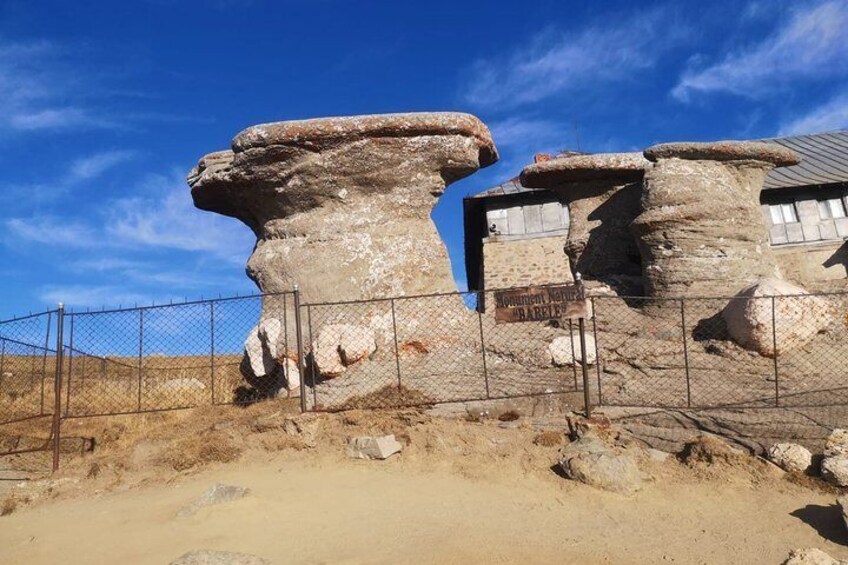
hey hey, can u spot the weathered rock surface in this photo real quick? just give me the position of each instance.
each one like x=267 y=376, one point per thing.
x=215 y=494
x=837 y=443
x=811 y=556
x=268 y=366
x=339 y=346
x=560 y=350
x=602 y=192
x=591 y=461
x=834 y=466
x=341 y=206
x=798 y=316
x=701 y=228
x=371 y=447
x=791 y=457
x=210 y=557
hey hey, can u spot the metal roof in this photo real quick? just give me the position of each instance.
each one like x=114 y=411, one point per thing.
x=824 y=160
x=512 y=186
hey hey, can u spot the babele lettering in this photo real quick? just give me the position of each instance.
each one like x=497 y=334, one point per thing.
x=540 y=304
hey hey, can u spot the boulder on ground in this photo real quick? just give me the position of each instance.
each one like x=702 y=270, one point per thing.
x=560 y=350
x=811 y=556
x=791 y=457
x=590 y=461
x=340 y=345
x=209 y=557
x=373 y=447
x=260 y=347
x=835 y=470
x=837 y=444
x=215 y=494
x=798 y=316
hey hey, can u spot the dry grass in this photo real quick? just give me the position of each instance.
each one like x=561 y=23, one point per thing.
x=549 y=438
x=389 y=396
x=193 y=451
x=9 y=505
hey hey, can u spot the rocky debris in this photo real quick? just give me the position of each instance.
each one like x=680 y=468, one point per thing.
x=339 y=346
x=811 y=556
x=352 y=193
x=560 y=350
x=842 y=501
x=215 y=494
x=791 y=457
x=602 y=192
x=591 y=461
x=259 y=350
x=373 y=447
x=834 y=466
x=209 y=557
x=798 y=316
x=709 y=450
x=701 y=227
x=172 y=386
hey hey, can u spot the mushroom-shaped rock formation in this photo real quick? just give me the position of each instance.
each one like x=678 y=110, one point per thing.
x=341 y=206
x=701 y=229
x=602 y=192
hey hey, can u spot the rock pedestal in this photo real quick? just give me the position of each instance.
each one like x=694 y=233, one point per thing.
x=602 y=192
x=701 y=228
x=341 y=206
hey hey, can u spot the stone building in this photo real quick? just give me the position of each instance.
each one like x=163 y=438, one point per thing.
x=578 y=214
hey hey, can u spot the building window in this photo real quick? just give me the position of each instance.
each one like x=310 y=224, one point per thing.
x=832 y=209
x=527 y=219
x=783 y=213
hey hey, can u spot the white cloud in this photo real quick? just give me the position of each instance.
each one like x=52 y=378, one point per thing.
x=53 y=231
x=830 y=116
x=556 y=63
x=77 y=296
x=93 y=166
x=167 y=218
x=811 y=43
x=519 y=132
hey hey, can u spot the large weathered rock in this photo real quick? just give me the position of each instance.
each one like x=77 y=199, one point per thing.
x=811 y=556
x=701 y=228
x=834 y=466
x=837 y=443
x=590 y=461
x=560 y=350
x=342 y=206
x=602 y=192
x=370 y=447
x=798 y=316
x=340 y=345
x=791 y=457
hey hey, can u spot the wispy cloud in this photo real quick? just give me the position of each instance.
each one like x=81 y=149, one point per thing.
x=556 y=63
x=93 y=166
x=53 y=231
x=811 y=43
x=93 y=296
x=829 y=116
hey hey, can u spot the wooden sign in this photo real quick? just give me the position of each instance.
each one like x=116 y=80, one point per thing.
x=535 y=304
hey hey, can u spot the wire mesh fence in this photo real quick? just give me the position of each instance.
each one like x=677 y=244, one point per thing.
x=778 y=363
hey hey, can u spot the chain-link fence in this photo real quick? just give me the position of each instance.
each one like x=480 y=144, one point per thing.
x=777 y=364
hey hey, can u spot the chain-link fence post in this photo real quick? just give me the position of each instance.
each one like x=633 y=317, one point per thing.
x=774 y=347
x=140 y=353
x=57 y=384
x=44 y=359
x=587 y=403
x=212 y=348
x=483 y=350
x=70 y=364
x=301 y=358
x=597 y=351
x=397 y=350
x=685 y=353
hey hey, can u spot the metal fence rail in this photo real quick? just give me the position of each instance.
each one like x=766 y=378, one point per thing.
x=421 y=350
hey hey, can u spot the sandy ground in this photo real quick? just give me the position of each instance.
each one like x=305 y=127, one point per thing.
x=460 y=492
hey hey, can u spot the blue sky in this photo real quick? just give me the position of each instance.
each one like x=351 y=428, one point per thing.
x=107 y=105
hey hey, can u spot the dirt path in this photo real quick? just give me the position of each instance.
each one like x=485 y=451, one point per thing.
x=307 y=509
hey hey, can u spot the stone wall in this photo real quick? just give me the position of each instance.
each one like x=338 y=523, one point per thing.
x=525 y=261
x=817 y=267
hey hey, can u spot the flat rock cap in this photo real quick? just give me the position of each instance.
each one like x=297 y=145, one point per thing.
x=576 y=168
x=725 y=151
x=327 y=131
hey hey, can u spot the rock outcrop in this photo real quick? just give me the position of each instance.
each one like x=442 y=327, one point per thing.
x=791 y=457
x=797 y=317
x=834 y=467
x=701 y=228
x=565 y=353
x=811 y=556
x=602 y=192
x=340 y=345
x=341 y=206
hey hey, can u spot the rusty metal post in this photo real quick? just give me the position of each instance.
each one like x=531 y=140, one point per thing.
x=573 y=352
x=212 y=347
x=587 y=403
x=397 y=350
x=774 y=345
x=301 y=358
x=140 y=353
x=312 y=370
x=685 y=354
x=483 y=352
x=597 y=352
x=57 y=384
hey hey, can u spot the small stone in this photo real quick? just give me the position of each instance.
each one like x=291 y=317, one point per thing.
x=811 y=556
x=372 y=447
x=791 y=457
x=216 y=494
x=590 y=461
x=208 y=557
x=835 y=470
